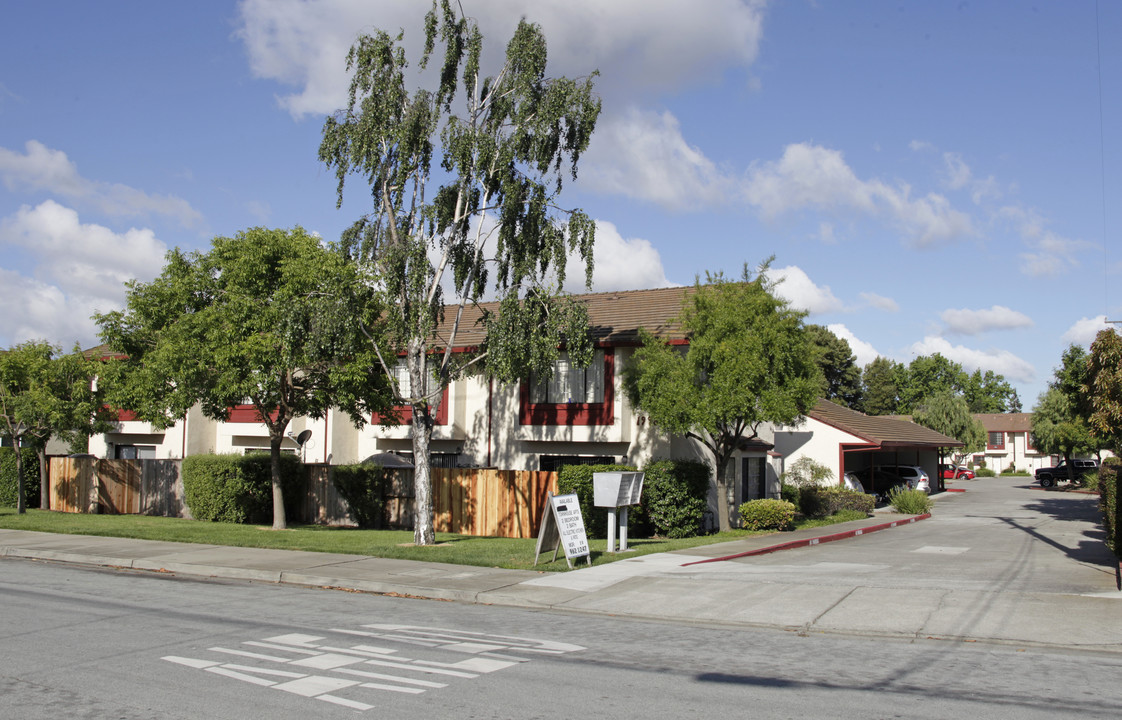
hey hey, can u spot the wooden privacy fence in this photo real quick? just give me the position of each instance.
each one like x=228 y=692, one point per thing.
x=468 y=501
x=491 y=503
x=125 y=487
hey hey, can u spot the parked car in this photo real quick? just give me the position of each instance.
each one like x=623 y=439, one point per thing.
x=881 y=482
x=852 y=482
x=955 y=472
x=1049 y=476
x=915 y=477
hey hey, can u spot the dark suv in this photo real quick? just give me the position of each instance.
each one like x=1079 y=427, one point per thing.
x=1047 y=477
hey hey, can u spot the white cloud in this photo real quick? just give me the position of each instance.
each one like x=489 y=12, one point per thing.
x=621 y=264
x=797 y=288
x=880 y=302
x=643 y=155
x=42 y=169
x=863 y=351
x=1000 y=361
x=812 y=176
x=1047 y=253
x=973 y=322
x=1084 y=330
x=78 y=269
x=638 y=44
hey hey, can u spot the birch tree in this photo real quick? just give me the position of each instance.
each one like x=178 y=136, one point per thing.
x=465 y=174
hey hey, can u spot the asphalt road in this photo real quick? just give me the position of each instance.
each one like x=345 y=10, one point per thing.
x=100 y=643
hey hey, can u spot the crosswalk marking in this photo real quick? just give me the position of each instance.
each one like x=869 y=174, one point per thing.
x=321 y=667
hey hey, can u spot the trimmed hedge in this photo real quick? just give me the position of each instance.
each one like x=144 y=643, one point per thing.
x=1110 y=478
x=767 y=515
x=9 y=482
x=364 y=488
x=819 y=501
x=676 y=496
x=239 y=488
x=578 y=479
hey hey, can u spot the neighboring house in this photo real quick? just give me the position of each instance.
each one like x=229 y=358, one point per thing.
x=846 y=440
x=1009 y=443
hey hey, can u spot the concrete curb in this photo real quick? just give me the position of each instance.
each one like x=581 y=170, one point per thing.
x=804 y=542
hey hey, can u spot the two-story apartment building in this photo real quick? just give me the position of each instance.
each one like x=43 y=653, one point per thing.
x=1009 y=443
x=579 y=415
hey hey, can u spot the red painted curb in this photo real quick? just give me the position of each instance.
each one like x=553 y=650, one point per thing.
x=955 y=490
x=812 y=541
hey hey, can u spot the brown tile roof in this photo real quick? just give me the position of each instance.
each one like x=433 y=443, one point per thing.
x=880 y=430
x=614 y=317
x=1006 y=422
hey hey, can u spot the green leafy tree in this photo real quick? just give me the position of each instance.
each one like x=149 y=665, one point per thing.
x=263 y=318
x=841 y=377
x=748 y=363
x=927 y=375
x=1103 y=388
x=951 y=415
x=484 y=223
x=989 y=392
x=1058 y=429
x=44 y=394
x=881 y=386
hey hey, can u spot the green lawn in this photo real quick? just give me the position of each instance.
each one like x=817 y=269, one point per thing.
x=458 y=549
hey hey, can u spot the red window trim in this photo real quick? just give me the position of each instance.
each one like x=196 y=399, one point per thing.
x=990 y=446
x=404 y=413
x=119 y=415
x=584 y=414
x=247 y=414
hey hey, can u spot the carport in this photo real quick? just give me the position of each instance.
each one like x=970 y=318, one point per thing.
x=871 y=441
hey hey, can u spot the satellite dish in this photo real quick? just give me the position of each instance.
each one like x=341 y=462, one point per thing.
x=303 y=437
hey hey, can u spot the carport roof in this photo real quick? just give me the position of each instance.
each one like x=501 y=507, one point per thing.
x=880 y=431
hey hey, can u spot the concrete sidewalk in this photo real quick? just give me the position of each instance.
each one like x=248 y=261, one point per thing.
x=683 y=586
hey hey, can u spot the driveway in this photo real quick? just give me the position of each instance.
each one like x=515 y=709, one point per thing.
x=999 y=535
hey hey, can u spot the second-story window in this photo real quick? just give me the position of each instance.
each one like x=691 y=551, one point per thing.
x=570 y=384
x=996 y=440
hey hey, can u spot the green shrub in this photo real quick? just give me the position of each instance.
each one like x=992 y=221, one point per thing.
x=984 y=471
x=812 y=503
x=767 y=515
x=1090 y=481
x=1011 y=470
x=364 y=489
x=909 y=502
x=578 y=479
x=675 y=496
x=239 y=488
x=790 y=493
x=1110 y=478
x=839 y=499
x=8 y=480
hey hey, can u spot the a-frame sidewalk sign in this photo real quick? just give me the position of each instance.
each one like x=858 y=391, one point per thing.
x=563 y=526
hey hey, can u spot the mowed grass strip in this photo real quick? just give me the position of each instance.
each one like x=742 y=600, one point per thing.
x=449 y=548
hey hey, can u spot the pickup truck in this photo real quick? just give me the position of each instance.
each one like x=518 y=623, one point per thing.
x=1047 y=477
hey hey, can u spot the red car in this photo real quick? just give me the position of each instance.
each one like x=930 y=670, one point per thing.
x=955 y=472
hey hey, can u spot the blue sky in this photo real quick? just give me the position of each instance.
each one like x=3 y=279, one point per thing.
x=930 y=176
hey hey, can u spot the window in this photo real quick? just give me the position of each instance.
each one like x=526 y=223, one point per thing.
x=573 y=396
x=1030 y=440
x=134 y=452
x=553 y=463
x=448 y=461
x=404 y=413
x=570 y=384
x=996 y=440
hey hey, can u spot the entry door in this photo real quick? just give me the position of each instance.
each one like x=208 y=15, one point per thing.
x=754 y=478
